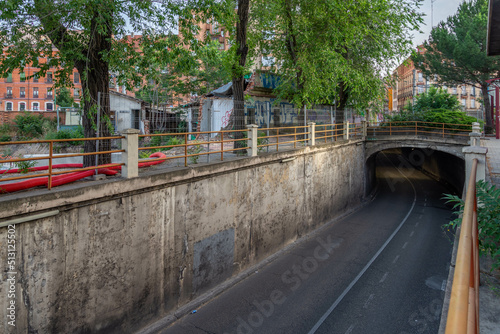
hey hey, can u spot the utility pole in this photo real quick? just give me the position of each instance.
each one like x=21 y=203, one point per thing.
x=413 y=88
x=432 y=13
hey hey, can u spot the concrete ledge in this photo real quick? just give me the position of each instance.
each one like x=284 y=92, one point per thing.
x=25 y=203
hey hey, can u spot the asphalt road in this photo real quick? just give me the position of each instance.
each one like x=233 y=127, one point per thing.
x=380 y=270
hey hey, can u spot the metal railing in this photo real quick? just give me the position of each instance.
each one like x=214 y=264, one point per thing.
x=51 y=157
x=463 y=312
x=190 y=146
x=416 y=128
x=193 y=149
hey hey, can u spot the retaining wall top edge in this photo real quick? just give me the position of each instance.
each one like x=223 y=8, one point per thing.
x=34 y=201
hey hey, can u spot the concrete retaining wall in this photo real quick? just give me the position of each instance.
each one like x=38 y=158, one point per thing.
x=121 y=254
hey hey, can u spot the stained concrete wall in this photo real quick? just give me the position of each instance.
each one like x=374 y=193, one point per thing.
x=121 y=254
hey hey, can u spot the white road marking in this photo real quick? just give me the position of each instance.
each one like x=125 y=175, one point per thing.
x=406 y=244
x=356 y=279
x=349 y=330
x=368 y=300
x=412 y=233
x=395 y=259
x=384 y=277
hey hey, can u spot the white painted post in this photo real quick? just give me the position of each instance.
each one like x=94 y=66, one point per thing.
x=252 y=140
x=475 y=135
x=312 y=134
x=471 y=153
x=346 y=130
x=131 y=155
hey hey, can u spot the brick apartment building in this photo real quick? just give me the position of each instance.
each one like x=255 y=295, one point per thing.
x=26 y=91
x=410 y=82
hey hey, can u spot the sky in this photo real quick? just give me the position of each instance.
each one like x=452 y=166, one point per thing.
x=442 y=9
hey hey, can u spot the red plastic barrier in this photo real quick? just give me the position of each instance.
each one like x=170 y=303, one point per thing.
x=16 y=170
x=67 y=178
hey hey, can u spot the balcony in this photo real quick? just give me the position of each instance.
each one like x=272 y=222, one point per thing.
x=8 y=80
x=48 y=80
x=8 y=96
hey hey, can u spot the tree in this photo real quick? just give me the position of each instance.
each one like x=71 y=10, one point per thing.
x=63 y=98
x=239 y=61
x=333 y=51
x=90 y=36
x=456 y=51
x=436 y=98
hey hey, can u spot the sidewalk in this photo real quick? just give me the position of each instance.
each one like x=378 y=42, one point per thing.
x=492 y=159
x=489 y=291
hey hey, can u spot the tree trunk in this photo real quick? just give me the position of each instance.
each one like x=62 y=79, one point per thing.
x=488 y=121
x=238 y=74
x=341 y=103
x=95 y=79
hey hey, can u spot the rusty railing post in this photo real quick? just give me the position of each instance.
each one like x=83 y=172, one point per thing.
x=130 y=158
x=364 y=124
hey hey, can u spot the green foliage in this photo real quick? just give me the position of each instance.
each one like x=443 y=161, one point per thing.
x=67 y=134
x=32 y=126
x=437 y=106
x=160 y=141
x=194 y=149
x=261 y=141
x=6 y=131
x=436 y=98
x=328 y=51
x=25 y=166
x=456 y=50
x=64 y=98
x=29 y=125
x=488 y=217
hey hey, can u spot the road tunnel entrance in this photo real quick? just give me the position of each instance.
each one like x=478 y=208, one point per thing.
x=444 y=167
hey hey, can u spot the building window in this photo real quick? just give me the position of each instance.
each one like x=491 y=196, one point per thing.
x=49 y=77
x=49 y=93
x=473 y=91
x=35 y=77
x=8 y=106
x=9 y=78
x=76 y=92
x=464 y=102
x=22 y=77
x=22 y=92
x=455 y=90
x=473 y=103
x=464 y=90
x=76 y=77
x=35 y=92
x=420 y=77
x=35 y=105
x=420 y=89
x=8 y=95
x=22 y=106
x=49 y=106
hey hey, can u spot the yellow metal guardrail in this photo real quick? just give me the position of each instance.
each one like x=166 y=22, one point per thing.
x=50 y=172
x=277 y=137
x=463 y=312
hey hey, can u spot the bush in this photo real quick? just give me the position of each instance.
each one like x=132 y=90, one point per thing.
x=67 y=134
x=488 y=218
x=29 y=125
